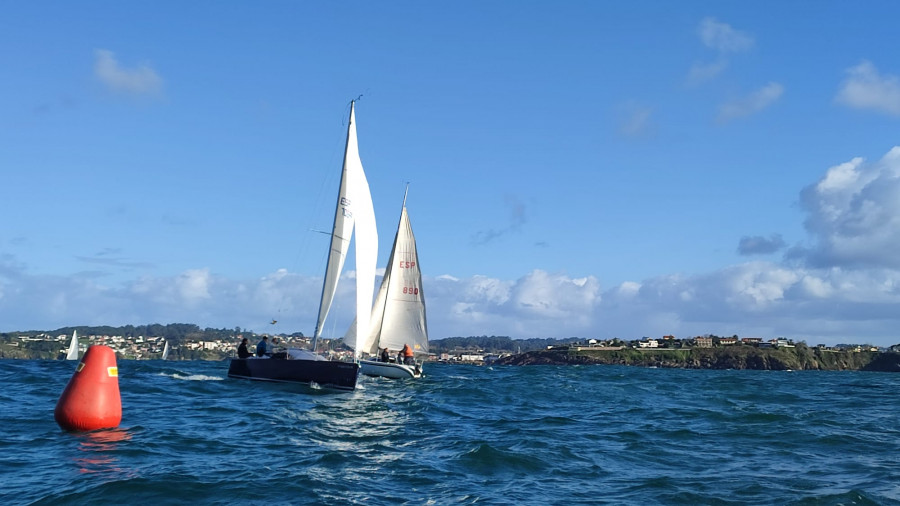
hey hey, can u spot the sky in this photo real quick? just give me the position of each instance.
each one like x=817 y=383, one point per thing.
x=576 y=168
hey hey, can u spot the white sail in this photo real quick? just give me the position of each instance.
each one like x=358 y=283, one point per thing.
x=165 y=353
x=366 y=237
x=398 y=316
x=354 y=210
x=72 y=354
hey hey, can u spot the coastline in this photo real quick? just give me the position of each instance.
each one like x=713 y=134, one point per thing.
x=743 y=357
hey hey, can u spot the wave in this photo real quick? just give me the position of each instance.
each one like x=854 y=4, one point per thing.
x=192 y=377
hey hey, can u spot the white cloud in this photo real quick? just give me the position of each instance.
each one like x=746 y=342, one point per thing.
x=628 y=289
x=722 y=37
x=701 y=72
x=193 y=285
x=758 y=245
x=141 y=80
x=865 y=88
x=853 y=213
x=754 y=286
x=752 y=103
x=816 y=287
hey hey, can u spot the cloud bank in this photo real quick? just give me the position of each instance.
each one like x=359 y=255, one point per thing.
x=843 y=285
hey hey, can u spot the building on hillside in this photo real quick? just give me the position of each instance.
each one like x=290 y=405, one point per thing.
x=703 y=342
x=782 y=343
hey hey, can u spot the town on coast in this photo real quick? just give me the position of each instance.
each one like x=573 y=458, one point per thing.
x=190 y=342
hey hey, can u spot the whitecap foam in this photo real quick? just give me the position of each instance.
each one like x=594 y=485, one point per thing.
x=194 y=377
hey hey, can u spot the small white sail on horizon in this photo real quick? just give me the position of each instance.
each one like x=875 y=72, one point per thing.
x=72 y=354
x=165 y=352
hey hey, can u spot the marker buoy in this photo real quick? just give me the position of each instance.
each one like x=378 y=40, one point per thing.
x=91 y=399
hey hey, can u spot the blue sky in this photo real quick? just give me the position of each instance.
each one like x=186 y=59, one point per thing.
x=595 y=169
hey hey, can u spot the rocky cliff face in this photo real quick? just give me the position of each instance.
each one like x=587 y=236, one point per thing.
x=740 y=357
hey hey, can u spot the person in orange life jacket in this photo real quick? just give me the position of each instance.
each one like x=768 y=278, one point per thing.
x=408 y=355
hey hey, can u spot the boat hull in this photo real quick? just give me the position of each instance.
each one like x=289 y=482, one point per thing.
x=389 y=370
x=325 y=373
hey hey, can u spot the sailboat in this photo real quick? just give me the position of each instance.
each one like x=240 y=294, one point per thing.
x=398 y=316
x=165 y=353
x=354 y=215
x=72 y=354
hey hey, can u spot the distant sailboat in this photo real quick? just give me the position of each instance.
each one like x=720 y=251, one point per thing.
x=72 y=354
x=398 y=317
x=165 y=353
x=354 y=215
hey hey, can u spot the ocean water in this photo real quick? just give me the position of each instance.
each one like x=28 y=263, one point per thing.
x=461 y=435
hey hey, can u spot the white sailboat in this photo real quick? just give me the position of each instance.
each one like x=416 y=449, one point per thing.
x=72 y=354
x=354 y=214
x=165 y=352
x=398 y=317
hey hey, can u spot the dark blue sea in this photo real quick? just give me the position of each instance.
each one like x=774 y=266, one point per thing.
x=461 y=435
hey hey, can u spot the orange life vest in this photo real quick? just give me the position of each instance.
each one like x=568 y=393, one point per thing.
x=407 y=351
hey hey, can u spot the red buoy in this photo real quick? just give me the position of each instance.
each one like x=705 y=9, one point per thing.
x=91 y=399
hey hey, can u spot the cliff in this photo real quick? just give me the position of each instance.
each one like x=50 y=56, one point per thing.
x=738 y=357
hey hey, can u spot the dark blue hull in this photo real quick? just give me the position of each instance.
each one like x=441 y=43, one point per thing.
x=325 y=373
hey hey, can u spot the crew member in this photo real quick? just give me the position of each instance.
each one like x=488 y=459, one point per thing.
x=263 y=347
x=243 y=352
x=408 y=355
x=385 y=355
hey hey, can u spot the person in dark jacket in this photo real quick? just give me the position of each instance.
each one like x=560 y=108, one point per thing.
x=243 y=352
x=263 y=347
x=385 y=355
